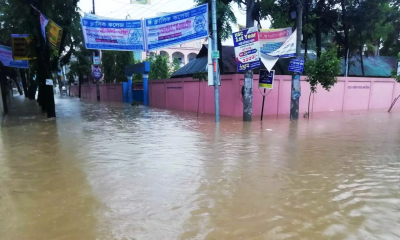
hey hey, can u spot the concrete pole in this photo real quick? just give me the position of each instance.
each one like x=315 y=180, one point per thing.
x=248 y=76
x=296 y=91
x=216 y=76
x=97 y=82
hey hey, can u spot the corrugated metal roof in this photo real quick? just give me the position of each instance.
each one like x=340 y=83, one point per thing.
x=378 y=66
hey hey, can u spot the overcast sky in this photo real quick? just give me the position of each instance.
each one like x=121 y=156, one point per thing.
x=120 y=9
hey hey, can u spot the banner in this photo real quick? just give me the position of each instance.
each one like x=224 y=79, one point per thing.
x=108 y=34
x=288 y=48
x=145 y=2
x=7 y=59
x=247 y=49
x=176 y=28
x=21 y=47
x=43 y=23
x=55 y=35
x=271 y=39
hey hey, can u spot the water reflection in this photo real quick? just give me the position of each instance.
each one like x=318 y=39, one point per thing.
x=111 y=171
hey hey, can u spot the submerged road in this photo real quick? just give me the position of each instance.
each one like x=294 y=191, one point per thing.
x=113 y=171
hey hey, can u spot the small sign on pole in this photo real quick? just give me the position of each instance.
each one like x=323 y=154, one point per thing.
x=49 y=82
x=215 y=54
x=266 y=79
x=296 y=65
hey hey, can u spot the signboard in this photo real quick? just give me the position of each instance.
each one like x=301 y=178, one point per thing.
x=49 y=82
x=7 y=59
x=108 y=34
x=247 y=49
x=215 y=54
x=97 y=73
x=296 y=65
x=176 y=28
x=266 y=79
x=21 y=47
x=145 y=2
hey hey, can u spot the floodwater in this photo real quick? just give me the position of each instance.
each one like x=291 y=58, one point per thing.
x=113 y=171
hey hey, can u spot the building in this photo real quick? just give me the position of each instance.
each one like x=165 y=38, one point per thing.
x=185 y=53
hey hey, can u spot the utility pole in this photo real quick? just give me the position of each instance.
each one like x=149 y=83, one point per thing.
x=97 y=82
x=248 y=76
x=216 y=76
x=296 y=91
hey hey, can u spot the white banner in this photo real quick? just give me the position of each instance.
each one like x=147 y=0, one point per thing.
x=176 y=28
x=7 y=59
x=108 y=34
x=288 y=49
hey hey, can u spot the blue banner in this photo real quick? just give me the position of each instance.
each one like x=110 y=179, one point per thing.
x=296 y=65
x=109 y=34
x=176 y=28
x=247 y=49
x=7 y=59
x=266 y=79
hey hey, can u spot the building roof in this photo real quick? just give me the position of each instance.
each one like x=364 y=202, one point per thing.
x=374 y=66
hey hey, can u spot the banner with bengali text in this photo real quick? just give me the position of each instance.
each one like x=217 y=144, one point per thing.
x=108 y=34
x=55 y=35
x=176 y=28
x=7 y=59
x=22 y=48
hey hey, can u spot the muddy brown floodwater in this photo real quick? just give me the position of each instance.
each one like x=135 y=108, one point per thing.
x=111 y=171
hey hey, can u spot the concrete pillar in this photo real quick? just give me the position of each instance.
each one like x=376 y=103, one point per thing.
x=130 y=96
x=146 y=89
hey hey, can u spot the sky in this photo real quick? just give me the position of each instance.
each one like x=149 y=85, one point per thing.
x=120 y=9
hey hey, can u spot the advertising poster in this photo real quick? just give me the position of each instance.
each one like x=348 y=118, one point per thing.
x=97 y=74
x=247 y=49
x=266 y=79
x=21 y=44
x=288 y=48
x=145 y=2
x=55 y=35
x=7 y=59
x=109 y=34
x=273 y=39
x=176 y=28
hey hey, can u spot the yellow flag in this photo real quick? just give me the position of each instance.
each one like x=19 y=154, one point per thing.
x=55 y=33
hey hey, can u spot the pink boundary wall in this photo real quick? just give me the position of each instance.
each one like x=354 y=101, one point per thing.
x=111 y=92
x=348 y=94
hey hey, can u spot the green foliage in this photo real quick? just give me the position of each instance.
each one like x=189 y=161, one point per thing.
x=323 y=70
x=175 y=65
x=201 y=76
x=159 y=68
x=82 y=65
x=113 y=63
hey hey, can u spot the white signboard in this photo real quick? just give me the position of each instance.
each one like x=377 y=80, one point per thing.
x=288 y=49
x=176 y=28
x=247 y=49
x=109 y=34
x=49 y=82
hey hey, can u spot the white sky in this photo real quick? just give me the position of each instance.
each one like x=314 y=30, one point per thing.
x=120 y=9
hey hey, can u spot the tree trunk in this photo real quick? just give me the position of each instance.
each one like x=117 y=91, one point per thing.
x=24 y=83
x=80 y=86
x=362 y=60
x=3 y=92
x=309 y=100
x=18 y=86
x=318 y=32
x=346 y=31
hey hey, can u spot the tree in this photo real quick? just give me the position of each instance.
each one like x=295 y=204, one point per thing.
x=113 y=63
x=324 y=70
x=159 y=68
x=81 y=67
x=225 y=17
x=175 y=65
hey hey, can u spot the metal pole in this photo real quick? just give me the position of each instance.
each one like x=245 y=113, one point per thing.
x=97 y=82
x=347 y=64
x=94 y=12
x=248 y=76
x=296 y=91
x=215 y=61
x=262 y=109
